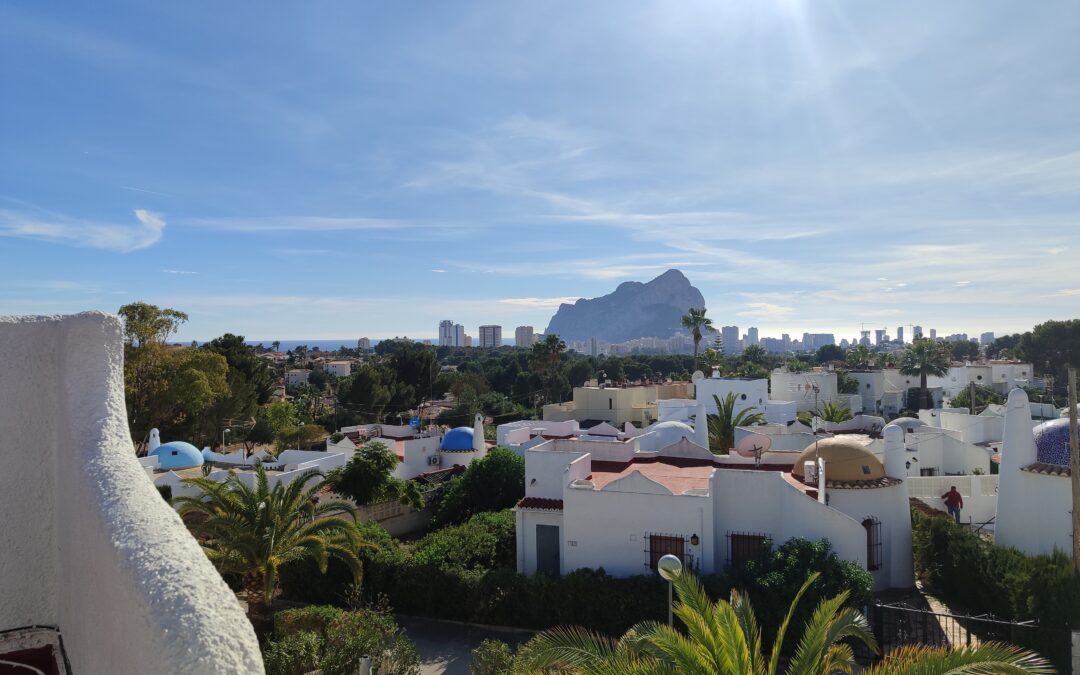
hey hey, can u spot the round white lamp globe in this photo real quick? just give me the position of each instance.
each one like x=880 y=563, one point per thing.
x=669 y=567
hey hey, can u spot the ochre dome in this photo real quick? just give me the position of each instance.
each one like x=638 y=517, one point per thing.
x=845 y=460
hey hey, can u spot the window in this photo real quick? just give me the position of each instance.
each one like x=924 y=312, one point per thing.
x=928 y=472
x=660 y=545
x=744 y=547
x=610 y=403
x=873 y=543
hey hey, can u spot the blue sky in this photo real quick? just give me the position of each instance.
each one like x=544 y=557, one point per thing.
x=338 y=169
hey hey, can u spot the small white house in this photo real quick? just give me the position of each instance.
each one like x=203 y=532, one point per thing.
x=338 y=368
x=294 y=377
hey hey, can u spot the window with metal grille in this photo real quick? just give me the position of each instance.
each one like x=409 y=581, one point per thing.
x=659 y=545
x=744 y=547
x=928 y=472
x=873 y=543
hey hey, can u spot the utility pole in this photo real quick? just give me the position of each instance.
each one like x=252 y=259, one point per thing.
x=1074 y=455
x=971 y=393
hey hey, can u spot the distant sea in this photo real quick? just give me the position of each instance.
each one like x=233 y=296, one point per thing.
x=323 y=345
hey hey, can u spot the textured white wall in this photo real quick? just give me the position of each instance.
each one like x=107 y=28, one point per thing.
x=88 y=544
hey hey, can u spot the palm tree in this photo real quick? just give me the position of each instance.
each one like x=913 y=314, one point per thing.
x=754 y=354
x=695 y=321
x=544 y=359
x=253 y=531
x=859 y=356
x=831 y=411
x=722 y=424
x=723 y=638
x=988 y=657
x=924 y=357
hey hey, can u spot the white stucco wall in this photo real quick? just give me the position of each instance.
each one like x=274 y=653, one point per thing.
x=762 y=502
x=607 y=528
x=526 y=538
x=417 y=453
x=549 y=469
x=890 y=506
x=88 y=544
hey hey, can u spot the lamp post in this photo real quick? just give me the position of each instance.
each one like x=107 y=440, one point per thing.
x=669 y=568
x=223 y=432
x=299 y=428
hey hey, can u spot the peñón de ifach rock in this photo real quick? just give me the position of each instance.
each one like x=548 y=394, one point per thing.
x=634 y=310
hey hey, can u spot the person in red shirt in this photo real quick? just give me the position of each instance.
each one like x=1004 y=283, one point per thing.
x=954 y=502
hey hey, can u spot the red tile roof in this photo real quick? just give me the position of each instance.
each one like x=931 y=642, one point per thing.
x=540 y=503
x=677 y=474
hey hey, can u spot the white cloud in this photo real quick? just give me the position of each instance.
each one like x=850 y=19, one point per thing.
x=439 y=271
x=766 y=311
x=539 y=303
x=91 y=234
x=296 y=224
x=180 y=272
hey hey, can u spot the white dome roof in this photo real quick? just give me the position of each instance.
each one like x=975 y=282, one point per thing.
x=671 y=432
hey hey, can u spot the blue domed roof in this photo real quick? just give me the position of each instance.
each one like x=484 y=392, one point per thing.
x=177 y=455
x=458 y=440
x=1052 y=442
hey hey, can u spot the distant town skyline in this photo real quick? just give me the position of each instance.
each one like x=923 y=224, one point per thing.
x=356 y=170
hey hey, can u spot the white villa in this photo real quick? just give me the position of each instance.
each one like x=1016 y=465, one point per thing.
x=622 y=502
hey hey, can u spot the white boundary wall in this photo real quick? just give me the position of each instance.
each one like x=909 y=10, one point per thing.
x=88 y=545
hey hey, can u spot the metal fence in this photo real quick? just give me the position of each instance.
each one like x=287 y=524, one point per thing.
x=895 y=625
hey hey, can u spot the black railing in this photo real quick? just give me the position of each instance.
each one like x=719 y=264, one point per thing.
x=896 y=625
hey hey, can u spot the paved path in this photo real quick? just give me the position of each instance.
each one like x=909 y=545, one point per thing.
x=446 y=647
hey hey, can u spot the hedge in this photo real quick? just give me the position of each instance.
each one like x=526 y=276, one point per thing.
x=985 y=578
x=451 y=585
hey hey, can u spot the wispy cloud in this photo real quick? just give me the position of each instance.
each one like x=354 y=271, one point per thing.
x=295 y=223
x=539 y=303
x=180 y=272
x=92 y=234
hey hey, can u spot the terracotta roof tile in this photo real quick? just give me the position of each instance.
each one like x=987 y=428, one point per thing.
x=540 y=503
x=1045 y=469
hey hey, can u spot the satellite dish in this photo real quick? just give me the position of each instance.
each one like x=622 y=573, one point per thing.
x=753 y=445
x=697 y=376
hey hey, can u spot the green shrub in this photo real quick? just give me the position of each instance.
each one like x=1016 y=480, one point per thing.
x=486 y=541
x=295 y=654
x=491 y=483
x=492 y=657
x=311 y=619
x=166 y=492
x=335 y=642
x=982 y=577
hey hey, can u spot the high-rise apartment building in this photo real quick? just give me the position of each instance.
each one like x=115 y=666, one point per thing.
x=899 y=333
x=731 y=342
x=460 y=339
x=751 y=336
x=933 y=333
x=491 y=336
x=916 y=332
x=524 y=336
x=446 y=333
x=987 y=338
x=879 y=336
x=363 y=344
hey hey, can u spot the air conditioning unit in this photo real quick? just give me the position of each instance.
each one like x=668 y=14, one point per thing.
x=433 y=460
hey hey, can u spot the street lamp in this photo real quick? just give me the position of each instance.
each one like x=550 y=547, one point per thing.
x=669 y=568
x=223 y=432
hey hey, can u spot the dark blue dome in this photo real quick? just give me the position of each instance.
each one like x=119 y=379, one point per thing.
x=458 y=440
x=1052 y=442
